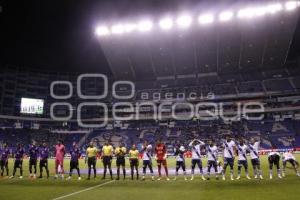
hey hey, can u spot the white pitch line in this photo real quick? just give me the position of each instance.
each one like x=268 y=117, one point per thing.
x=84 y=190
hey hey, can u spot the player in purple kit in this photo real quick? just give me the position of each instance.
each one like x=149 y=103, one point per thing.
x=44 y=155
x=4 y=159
x=33 y=154
x=74 y=163
x=19 y=154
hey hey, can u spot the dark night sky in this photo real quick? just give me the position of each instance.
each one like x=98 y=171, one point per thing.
x=58 y=34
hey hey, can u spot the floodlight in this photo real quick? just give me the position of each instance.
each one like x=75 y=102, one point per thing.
x=260 y=11
x=225 y=16
x=184 y=21
x=102 y=31
x=166 y=23
x=273 y=8
x=145 y=25
x=291 y=5
x=246 y=13
x=117 y=29
x=129 y=27
x=206 y=19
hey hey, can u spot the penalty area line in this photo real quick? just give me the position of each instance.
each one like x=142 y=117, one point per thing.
x=84 y=190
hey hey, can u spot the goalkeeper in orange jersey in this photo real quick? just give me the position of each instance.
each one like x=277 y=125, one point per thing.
x=161 y=158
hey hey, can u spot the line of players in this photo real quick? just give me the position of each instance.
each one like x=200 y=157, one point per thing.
x=229 y=147
x=35 y=153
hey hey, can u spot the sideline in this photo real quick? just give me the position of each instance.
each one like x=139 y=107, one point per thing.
x=84 y=190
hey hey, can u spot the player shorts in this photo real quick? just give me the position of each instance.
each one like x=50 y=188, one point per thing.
x=92 y=161
x=196 y=162
x=212 y=163
x=32 y=161
x=106 y=160
x=180 y=164
x=255 y=162
x=3 y=163
x=59 y=162
x=147 y=163
x=120 y=162
x=229 y=161
x=44 y=163
x=18 y=164
x=134 y=162
x=292 y=161
x=161 y=162
x=243 y=163
x=274 y=159
x=74 y=164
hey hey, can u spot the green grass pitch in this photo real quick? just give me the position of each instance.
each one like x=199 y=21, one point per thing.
x=42 y=189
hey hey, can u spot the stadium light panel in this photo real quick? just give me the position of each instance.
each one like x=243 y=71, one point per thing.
x=145 y=25
x=102 y=31
x=206 y=19
x=291 y=5
x=246 y=13
x=117 y=29
x=273 y=8
x=128 y=28
x=166 y=23
x=261 y=11
x=184 y=21
x=225 y=16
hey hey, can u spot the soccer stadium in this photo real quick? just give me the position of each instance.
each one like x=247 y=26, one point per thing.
x=146 y=99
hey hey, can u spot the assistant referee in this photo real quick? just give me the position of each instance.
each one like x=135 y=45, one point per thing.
x=120 y=154
x=91 y=158
x=107 y=153
x=134 y=161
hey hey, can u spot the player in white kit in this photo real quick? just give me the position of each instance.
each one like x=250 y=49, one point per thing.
x=255 y=161
x=242 y=149
x=274 y=158
x=212 y=159
x=229 y=147
x=147 y=159
x=288 y=157
x=180 y=161
x=195 y=146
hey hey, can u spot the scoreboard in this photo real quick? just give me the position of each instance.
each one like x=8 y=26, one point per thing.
x=32 y=106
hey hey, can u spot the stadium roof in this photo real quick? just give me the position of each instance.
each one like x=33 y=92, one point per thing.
x=230 y=40
x=59 y=36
